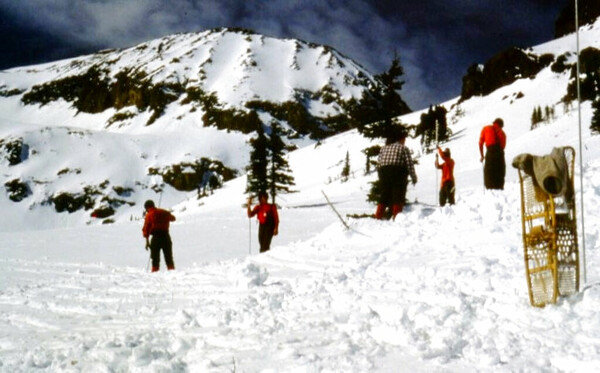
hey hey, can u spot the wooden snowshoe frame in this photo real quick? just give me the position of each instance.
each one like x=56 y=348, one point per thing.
x=550 y=244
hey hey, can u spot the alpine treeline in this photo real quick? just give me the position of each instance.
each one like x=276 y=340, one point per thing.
x=433 y=128
x=373 y=115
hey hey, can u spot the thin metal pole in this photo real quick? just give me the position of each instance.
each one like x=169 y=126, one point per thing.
x=580 y=147
x=437 y=125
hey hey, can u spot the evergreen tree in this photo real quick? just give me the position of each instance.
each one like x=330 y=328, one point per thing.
x=379 y=105
x=346 y=169
x=279 y=174
x=534 y=118
x=370 y=152
x=433 y=125
x=595 y=126
x=537 y=116
x=392 y=103
x=259 y=159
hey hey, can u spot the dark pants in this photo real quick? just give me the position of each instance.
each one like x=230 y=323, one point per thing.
x=447 y=193
x=265 y=234
x=494 y=169
x=393 y=181
x=161 y=240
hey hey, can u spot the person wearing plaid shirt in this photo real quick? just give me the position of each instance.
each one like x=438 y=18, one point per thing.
x=394 y=165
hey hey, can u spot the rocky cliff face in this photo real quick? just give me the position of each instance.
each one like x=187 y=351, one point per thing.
x=589 y=11
x=217 y=76
x=514 y=63
x=501 y=70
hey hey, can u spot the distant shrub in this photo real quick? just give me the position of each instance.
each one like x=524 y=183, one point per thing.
x=102 y=212
x=119 y=117
x=72 y=202
x=294 y=113
x=589 y=84
x=17 y=190
x=15 y=151
x=11 y=92
x=203 y=175
x=560 y=65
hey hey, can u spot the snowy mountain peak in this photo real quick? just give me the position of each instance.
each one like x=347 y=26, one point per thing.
x=171 y=111
x=226 y=67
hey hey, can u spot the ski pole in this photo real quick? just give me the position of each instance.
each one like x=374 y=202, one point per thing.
x=249 y=226
x=436 y=175
x=437 y=126
x=160 y=197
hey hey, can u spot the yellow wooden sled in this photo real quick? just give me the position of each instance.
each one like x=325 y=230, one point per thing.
x=549 y=238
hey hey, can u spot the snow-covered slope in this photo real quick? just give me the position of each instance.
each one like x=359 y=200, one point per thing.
x=67 y=150
x=437 y=290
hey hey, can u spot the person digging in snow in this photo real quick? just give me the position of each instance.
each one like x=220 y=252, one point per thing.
x=156 y=224
x=447 y=185
x=268 y=220
x=394 y=165
x=494 y=169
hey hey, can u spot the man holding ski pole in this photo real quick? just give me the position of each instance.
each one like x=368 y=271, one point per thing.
x=268 y=220
x=156 y=224
x=447 y=188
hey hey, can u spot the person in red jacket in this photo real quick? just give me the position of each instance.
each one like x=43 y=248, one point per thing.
x=494 y=169
x=268 y=220
x=156 y=224
x=447 y=187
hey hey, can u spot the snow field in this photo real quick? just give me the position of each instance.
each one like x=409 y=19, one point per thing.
x=436 y=290
x=439 y=289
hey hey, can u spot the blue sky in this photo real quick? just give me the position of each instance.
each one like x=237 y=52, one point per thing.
x=437 y=40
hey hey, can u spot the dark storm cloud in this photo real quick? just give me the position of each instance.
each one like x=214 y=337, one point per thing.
x=449 y=36
x=435 y=39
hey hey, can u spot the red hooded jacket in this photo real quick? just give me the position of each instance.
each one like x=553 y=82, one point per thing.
x=156 y=220
x=492 y=135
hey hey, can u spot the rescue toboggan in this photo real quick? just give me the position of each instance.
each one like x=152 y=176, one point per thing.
x=549 y=223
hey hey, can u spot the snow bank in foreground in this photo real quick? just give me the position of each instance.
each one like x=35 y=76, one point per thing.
x=439 y=289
